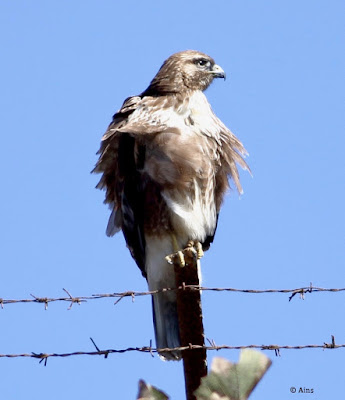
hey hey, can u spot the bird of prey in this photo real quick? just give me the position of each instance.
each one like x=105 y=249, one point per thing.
x=165 y=161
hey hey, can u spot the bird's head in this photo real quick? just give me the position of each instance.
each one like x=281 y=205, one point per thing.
x=186 y=70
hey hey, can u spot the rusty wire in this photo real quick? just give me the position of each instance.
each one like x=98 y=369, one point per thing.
x=43 y=357
x=120 y=295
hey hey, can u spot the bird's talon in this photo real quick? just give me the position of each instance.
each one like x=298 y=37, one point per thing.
x=199 y=250
x=181 y=259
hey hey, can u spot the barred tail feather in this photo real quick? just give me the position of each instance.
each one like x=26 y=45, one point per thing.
x=160 y=275
x=166 y=326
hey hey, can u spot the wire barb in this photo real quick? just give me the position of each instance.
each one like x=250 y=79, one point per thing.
x=44 y=300
x=42 y=356
x=100 y=352
x=77 y=300
x=330 y=345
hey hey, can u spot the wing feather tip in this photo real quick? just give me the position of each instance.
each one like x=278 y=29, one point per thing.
x=114 y=223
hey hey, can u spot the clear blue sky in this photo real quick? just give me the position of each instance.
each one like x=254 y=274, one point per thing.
x=66 y=67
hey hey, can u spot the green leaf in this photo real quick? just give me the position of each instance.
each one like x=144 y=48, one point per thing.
x=148 y=392
x=228 y=381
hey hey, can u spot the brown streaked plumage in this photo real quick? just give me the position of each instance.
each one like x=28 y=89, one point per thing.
x=165 y=162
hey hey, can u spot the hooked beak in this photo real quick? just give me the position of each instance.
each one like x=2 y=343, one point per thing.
x=218 y=72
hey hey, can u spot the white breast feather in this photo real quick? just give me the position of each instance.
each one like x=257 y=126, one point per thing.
x=193 y=214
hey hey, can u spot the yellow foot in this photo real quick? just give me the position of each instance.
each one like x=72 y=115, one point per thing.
x=189 y=255
x=183 y=257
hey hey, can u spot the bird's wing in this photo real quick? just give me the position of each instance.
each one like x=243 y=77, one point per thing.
x=121 y=161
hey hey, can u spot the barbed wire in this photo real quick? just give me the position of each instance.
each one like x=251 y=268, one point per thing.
x=43 y=357
x=120 y=295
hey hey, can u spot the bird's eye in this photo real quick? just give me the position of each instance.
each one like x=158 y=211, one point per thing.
x=201 y=62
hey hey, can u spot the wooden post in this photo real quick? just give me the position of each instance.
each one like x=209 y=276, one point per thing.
x=191 y=326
